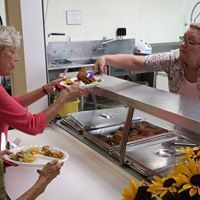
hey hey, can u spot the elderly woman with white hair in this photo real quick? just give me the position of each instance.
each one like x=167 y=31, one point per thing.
x=14 y=114
x=12 y=109
x=182 y=65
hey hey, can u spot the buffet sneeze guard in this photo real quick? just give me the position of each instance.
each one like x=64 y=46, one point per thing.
x=178 y=110
x=167 y=115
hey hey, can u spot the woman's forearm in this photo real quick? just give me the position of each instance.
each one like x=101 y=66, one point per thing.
x=46 y=175
x=31 y=97
x=33 y=192
x=35 y=95
x=128 y=61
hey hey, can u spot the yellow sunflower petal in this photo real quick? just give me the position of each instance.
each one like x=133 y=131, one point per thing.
x=184 y=178
x=130 y=192
x=195 y=148
x=183 y=168
x=158 y=179
x=198 y=171
x=163 y=193
x=199 y=191
x=192 y=166
x=133 y=184
x=185 y=187
x=127 y=194
x=192 y=192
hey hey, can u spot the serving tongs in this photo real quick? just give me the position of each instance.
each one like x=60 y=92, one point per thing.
x=91 y=74
x=176 y=144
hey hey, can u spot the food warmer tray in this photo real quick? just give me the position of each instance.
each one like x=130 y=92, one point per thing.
x=96 y=119
x=154 y=157
x=98 y=136
x=70 y=123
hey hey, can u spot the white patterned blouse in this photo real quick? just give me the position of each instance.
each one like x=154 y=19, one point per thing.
x=170 y=63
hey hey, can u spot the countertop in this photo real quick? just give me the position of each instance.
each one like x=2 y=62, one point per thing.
x=85 y=175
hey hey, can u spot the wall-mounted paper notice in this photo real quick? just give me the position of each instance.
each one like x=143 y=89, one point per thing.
x=74 y=17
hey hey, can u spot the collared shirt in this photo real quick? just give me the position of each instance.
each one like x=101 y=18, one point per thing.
x=170 y=63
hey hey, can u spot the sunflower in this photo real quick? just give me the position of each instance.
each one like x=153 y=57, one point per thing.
x=193 y=153
x=189 y=173
x=130 y=192
x=160 y=186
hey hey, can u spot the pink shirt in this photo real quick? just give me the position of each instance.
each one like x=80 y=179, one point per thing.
x=13 y=114
x=188 y=89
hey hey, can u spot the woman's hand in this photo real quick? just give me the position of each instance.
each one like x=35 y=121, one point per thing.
x=2 y=153
x=6 y=162
x=101 y=65
x=50 y=87
x=46 y=175
x=71 y=92
x=50 y=171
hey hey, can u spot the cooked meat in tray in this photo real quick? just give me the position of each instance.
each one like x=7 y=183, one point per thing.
x=108 y=139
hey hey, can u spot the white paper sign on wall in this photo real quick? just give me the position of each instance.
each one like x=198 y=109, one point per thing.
x=74 y=17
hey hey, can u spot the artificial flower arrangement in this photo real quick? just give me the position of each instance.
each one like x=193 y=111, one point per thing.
x=183 y=183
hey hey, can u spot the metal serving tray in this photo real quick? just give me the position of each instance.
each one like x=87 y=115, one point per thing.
x=70 y=123
x=91 y=135
x=152 y=157
x=101 y=137
x=96 y=119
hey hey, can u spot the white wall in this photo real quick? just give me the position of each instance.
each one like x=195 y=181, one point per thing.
x=2 y=11
x=150 y=20
x=34 y=48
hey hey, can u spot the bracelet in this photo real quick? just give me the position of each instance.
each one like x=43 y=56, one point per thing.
x=45 y=90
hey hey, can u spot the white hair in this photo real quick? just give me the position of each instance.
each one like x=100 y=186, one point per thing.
x=9 y=37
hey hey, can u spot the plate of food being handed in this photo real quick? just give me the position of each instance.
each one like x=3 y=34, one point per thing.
x=35 y=155
x=84 y=78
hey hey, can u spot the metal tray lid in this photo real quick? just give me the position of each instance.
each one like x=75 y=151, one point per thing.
x=94 y=119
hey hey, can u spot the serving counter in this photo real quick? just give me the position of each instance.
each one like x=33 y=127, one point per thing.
x=181 y=111
x=152 y=155
x=90 y=175
x=85 y=175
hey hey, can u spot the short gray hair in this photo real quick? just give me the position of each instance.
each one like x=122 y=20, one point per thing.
x=9 y=37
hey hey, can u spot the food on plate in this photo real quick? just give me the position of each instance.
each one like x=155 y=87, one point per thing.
x=48 y=151
x=34 y=150
x=69 y=81
x=138 y=131
x=82 y=76
x=28 y=155
x=23 y=156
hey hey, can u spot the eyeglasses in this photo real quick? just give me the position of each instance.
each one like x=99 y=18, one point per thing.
x=188 y=41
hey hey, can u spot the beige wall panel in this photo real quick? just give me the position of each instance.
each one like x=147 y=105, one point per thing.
x=13 y=17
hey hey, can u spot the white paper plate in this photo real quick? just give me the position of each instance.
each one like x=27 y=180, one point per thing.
x=40 y=161
x=91 y=85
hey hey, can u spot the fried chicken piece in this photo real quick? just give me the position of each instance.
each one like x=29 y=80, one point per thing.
x=82 y=76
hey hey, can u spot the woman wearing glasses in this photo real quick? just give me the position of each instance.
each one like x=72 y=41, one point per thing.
x=14 y=114
x=182 y=65
x=12 y=109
